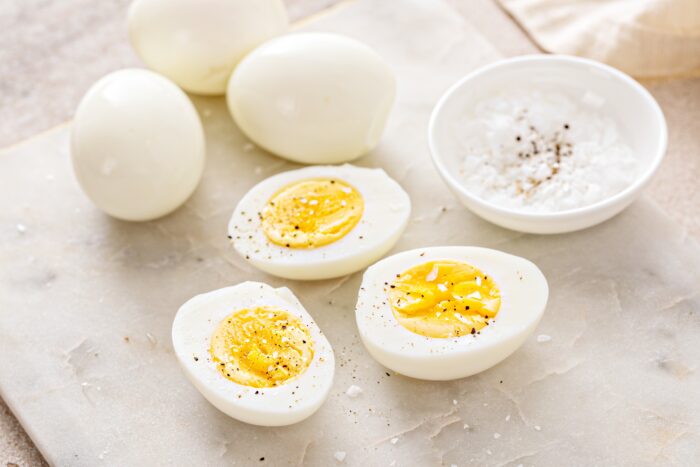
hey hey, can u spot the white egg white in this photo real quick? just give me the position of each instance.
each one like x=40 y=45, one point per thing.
x=286 y=404
x=197 y=43
x=524 y=293
x=387 y=208
x=137 y=145
x=314 y=98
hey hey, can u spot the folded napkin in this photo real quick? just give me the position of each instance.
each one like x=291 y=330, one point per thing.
x=645 y=38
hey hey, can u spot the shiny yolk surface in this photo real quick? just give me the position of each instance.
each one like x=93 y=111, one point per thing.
x=261 y=347
x=312 y=213
x=444 y=299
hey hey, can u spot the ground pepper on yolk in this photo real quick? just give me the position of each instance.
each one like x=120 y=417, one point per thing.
x=444 y=299
x=311 y=213
x=261 y=347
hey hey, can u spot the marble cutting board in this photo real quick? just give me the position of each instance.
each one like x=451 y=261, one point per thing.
x=86 y=305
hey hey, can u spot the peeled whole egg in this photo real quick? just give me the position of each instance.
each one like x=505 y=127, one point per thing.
x=197 y=43
x=319 y=222
x=443 y=313
x=314 y=98
x=254 y=353
x=137 y=145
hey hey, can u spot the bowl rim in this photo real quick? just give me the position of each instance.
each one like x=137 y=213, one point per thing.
x=641 y=180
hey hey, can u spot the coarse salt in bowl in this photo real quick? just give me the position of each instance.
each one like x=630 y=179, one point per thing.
x=547 y=143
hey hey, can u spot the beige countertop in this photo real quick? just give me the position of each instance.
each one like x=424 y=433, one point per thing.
x=55 y=50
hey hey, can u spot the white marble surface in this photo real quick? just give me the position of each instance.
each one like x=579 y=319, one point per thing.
x=86 y=305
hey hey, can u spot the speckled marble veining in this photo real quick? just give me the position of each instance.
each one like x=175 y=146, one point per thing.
x=86 y=306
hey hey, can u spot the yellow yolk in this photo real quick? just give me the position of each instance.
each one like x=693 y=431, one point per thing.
x=312 y=213
x=444 y=299
x=261 y=347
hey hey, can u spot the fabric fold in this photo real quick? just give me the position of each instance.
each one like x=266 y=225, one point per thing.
x=645 y=38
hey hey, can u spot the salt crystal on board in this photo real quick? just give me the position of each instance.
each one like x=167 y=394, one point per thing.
x=353 y=391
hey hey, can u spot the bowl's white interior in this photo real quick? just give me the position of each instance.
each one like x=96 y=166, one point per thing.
x=632 y=109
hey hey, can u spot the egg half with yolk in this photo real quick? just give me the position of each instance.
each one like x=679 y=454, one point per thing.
x=444 y=313
x=255 y=353
x=319 y=222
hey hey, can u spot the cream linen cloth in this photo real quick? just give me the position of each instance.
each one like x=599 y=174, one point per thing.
x=645 y=38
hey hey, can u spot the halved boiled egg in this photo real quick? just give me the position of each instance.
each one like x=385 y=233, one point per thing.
x=319 y=222
x=444 y=313
x=255 y=353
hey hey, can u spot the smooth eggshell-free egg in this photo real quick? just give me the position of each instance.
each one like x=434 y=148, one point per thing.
x=137 y=145
x=197 y=43
x=314 y=98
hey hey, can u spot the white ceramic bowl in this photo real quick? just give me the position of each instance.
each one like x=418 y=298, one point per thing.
x=639 y=118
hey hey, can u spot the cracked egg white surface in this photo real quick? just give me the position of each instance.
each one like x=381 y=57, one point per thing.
x=319 y=222
x=444 y=313
x=254 y=353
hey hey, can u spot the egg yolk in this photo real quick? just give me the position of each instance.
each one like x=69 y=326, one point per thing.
x=444 y=299
x=261 y=347
x=311 y=213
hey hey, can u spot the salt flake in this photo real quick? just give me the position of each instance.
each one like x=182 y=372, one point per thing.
x=353 y=391
x=432 y=275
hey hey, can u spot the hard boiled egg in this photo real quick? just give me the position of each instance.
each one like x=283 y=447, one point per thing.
x=319 y=222
x=315 y=98
x=137 y=145
x=255 y=353
x=197 y=43
x=443 y=313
